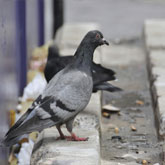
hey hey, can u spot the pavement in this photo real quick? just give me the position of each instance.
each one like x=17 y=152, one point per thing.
x=136 y=139
x=155 y=48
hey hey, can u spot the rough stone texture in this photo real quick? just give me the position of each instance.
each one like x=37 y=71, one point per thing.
x=155 y=45
x=90 y=117
x=158 y=70
x=159 y=86
x=157 y=58
x=49 y=151
x=155 y=34
x=160 y=89
x=160 y=81
x=161 y=108
x=104 y=162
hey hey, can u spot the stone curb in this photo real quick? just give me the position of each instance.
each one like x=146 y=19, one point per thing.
x=87 y=124
x=49 y=151
x=154 y=34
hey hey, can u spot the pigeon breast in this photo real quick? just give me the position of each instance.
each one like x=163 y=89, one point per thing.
x=72 y=88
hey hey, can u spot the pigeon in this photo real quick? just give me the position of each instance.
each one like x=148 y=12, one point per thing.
x=66 y=94
x=100 y=74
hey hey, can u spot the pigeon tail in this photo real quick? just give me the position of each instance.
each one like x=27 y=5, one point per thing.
x=31 y=125
x=107 y=87
x=12 y=141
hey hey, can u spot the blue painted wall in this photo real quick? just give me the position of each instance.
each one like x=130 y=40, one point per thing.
x=21 y=29
x=8 y=78
x=34 y=24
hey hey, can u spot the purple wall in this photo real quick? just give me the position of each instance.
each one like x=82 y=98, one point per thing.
x=21 y=29
x=8 y=87
x=34 y=24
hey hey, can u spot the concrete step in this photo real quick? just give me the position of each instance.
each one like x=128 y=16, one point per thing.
x=154 y=34
x=48 y=150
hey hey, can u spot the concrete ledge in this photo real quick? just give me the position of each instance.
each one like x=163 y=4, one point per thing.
x=49 y=151
x=104 y=162
x=120 y=58
x=154 y=34
x=157 y=58
x=91 y=116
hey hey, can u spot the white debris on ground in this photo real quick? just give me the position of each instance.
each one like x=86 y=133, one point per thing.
x=25 y=153
x=110 y=107
x=34 y=88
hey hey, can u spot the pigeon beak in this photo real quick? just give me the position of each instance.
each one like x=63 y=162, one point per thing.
x=104 y=41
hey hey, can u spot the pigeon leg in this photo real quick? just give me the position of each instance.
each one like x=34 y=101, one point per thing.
x=62 y=136
x=73 y=137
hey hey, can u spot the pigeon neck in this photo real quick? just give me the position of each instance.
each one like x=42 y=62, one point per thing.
x=84 y=55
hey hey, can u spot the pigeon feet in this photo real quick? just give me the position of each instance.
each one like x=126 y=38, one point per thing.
x=73 y=137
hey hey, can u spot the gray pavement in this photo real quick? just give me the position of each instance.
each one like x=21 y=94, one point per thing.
x=127 y=146
x=155 y=47
x=118 y=18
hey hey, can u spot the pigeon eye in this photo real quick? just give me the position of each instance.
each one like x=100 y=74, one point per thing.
x=97 y=36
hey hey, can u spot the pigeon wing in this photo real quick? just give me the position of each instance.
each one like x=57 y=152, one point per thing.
x=42 y=116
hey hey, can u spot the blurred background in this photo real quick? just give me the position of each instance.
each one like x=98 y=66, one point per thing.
x=26 y=24
x=119 y=19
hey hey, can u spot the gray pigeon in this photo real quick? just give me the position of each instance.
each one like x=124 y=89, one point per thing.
x=67 y=94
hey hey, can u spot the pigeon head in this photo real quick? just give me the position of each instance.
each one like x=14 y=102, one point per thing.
x=84 y=52
x=95 y=38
